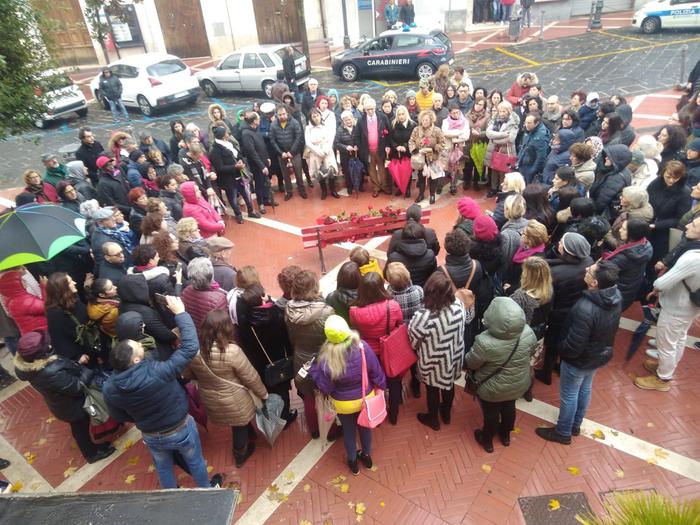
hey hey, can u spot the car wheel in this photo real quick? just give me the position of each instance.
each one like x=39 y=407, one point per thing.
x=425 y=70
x=348 y=72
x=144 y=105
x=82 y=112
x=101 y=100
x=267 y=88
x=651 y=25
x=209 y=88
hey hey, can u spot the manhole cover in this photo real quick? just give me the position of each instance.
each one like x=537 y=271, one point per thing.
x=536 y=509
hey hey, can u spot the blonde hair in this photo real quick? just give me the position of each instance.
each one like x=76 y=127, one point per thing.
x=443 y=70
x=397 y=275
x=536 y=233
x=505 y=105
x=361 y=104
x=514 y=181
x=391 y=94
x=246 y=277
x=186 y=227
x=430 y=113
x=26 y=175
x=402 y=109
x=536 y=279
x=514 y=207
x=333 y=356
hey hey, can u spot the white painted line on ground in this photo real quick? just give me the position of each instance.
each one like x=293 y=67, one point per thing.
x=263 y=507
x=20 y=471
x=88 y=471
x=11 y=390
x=7 y=203
x=651 y=117
x=663 y=95
x=277 y=225
x=637 y=101
x=548 y=26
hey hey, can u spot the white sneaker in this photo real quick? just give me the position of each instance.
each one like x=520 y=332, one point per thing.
x=652 y=342
x=653 y=353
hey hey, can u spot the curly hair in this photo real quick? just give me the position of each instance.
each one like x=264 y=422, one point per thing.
x=59 y=294
x=285 y=279
x=163 y=243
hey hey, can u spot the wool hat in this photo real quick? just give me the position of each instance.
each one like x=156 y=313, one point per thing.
x=34 y=345
x=336 y=329
x=103 y=213
x=576 y=244
x=485 y=229
x=591 y=97
x=410 y=93
x=136 y=155
x=101 y=161
x=267 y=107
x=468 y=208
x=48 y=156
x=694 y=145
x=638 y=156
x=219 y=132
x=218 y=244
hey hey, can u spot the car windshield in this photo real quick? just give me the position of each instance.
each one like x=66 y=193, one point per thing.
x=166 y=67
x=442 y=37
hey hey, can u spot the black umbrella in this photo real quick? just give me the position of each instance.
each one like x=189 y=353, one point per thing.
x=37 y=232
x=356 y=170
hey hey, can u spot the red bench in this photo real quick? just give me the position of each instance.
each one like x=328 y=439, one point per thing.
x=321 y=235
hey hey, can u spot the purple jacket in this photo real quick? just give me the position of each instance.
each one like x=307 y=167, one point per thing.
x=349 y=386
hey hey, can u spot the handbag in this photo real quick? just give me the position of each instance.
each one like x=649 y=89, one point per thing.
x=278 y=371
x=503 y=162
x=395 y=349
x=95 y=405
x=417 y=161
x=373 y=410
x=436 y=170
x=465 y=295
x=471 y=385
x=195 y=407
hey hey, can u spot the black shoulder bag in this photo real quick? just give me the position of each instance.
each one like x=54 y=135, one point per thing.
x=278 y=371
x=471 y=385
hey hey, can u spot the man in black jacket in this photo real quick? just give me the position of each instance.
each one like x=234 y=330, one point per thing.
x=287 y=140
x=586 y=346
x=112 y=188
x=111 y=89
x=112 y=266
x=148 y=393
x=414 y=253
x=255 y=152
x=414 y=214
x=88 y=152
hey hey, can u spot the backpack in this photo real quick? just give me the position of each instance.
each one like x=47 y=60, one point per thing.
x=693 y=294
x=87 y=334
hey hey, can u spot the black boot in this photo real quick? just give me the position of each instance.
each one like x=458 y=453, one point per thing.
x=429 y=421
x=432 y=198
x=308 y=180
x=408 y=190
x=420 y=197
x=453 y=188
x=242 y=455
x=332 y=187
x=393 y=414
x=324 y=190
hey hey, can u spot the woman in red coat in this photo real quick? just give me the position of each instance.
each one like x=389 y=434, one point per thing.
x=26 y=309
x=42 y=191
x=370 y=314
x=209 y=221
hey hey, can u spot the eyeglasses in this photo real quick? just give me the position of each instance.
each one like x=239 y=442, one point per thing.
x=118 y=254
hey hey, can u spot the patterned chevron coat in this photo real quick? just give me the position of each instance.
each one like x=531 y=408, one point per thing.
x=438 y=338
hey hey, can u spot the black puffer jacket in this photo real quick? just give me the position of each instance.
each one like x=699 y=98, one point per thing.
x=459 y=267
x=632 y=263
x=133 y=292
x=113 y=190
x=399 y=135
x=58 y=380
x=288 y=139
x=340 y=299
x=268 y=322
x=669 y=204
x=417 y=257
x=224 y=163
x=567 y=281
x=590 y=329
x=173 y=201
x=610 y=180
x=254 y=148
x=431 y=240
x=344 y=137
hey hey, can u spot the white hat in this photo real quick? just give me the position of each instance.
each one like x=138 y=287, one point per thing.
x=591 y=97
x=267 y=107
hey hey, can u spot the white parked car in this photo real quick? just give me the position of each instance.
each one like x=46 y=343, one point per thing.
x=63 y=97
x=252 y=68
x=151 y=81
x=654 y=16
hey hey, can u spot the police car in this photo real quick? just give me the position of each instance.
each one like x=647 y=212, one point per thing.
x=414 y=53
x=667 y=13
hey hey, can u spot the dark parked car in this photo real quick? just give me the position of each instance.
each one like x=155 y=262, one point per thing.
x=414 y=53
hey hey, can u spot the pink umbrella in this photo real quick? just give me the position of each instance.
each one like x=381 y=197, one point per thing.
x=400 y=171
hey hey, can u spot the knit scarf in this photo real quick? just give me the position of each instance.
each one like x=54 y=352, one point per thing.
x=523 y=253
x=122 y=237
x=148 y=342
x=610 y=255
x=38 y=191
x=54 y=175
x=456 y=123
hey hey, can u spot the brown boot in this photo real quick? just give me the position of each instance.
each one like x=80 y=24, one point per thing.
x=650 y=365
x=652 y=383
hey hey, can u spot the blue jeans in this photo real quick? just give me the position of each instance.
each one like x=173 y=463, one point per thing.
x=186 y=441
x=574 y=396
x=496 y=7
x=115 y=106
x=505 y=12
x=11 y=343
x=350 y=429
x=232 y=190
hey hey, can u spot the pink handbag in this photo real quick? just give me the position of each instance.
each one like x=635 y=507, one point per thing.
x=373 y=410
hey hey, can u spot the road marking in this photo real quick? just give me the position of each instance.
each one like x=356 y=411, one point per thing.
x=289 y=478
x=515 y=55
x=623 y=37
x=544 y=30
x=20 y=471
x=663 y=95
x=637 y=101
x=651 y=117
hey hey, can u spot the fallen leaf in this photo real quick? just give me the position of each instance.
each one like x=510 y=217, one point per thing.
x=619 y=474
x=344 y=488
x=40 y=443
x=374 y=468
x=273 y=489
x=134 y=460
x=661 y=453
x=652 y=461
x=358 y=518
x=382 y=504
x=351 y=504
x=650 y=425
x=289 y=476
x=360 y=508
x=516 y=430
x=74 y=446
x=30 y=457
x=574 y=471
x=50 y=420
x=615 y=433
x=181 y=475
x=305 y=522
x=598 y=434
x=307 y=487
x=240 y=498
x=151 y=468
x=337 y=480
x=554 y=504
x=210 y=468
x=130 y=479
x=16 y=487
x=69 y=472
x=327 y=521
x=486 y=468
x=128 y=444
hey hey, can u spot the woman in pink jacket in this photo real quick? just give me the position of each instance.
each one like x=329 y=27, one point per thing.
x=370 y=314
x=209 y=221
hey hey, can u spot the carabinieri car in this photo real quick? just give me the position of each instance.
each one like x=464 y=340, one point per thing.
x=413 y=53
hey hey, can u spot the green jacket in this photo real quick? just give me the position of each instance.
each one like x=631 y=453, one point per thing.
x=505 y=322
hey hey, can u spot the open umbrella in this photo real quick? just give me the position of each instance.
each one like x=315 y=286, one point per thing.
x=355 y=169
x=400 y=170
x=37 y=232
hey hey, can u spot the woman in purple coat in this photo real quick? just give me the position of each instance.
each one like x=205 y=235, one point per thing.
x=338 y=374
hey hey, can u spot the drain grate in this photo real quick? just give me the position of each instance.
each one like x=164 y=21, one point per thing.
x=536 y=510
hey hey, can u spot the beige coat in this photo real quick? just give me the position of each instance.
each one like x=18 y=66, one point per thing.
x=225 y=403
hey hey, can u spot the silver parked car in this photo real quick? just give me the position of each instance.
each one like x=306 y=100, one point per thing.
x=251 y=68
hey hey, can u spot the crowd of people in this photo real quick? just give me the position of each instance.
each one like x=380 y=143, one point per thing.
x=587 y=220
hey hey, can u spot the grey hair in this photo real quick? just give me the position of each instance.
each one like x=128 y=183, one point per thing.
x=129 y=142
x=200 y=272
x=175 y=169
x=637 y=196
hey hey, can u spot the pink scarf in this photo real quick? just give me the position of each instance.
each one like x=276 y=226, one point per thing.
x=523 y=253
x=459 y=123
